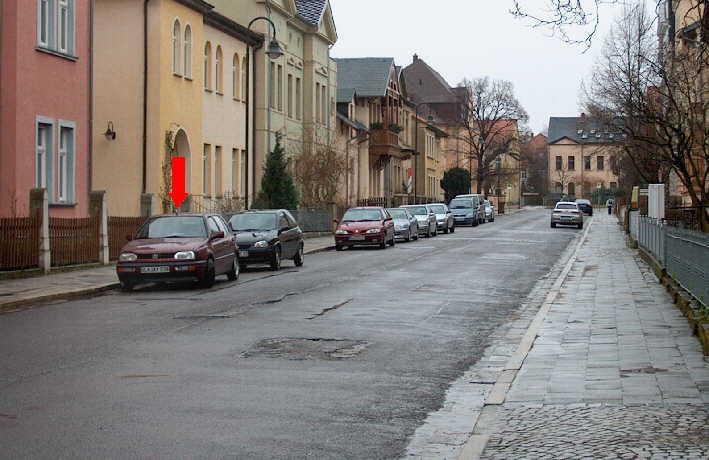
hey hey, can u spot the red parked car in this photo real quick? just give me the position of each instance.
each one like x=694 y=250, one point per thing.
x=365 y=226
x=182 y=247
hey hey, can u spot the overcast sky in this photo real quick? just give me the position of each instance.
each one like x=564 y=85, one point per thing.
x=472 y=38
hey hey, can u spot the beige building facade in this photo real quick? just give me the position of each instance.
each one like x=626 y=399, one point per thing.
x=582 y=155
x=294 y=94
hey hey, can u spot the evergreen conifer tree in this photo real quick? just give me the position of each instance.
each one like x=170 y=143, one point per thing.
x=277 y=187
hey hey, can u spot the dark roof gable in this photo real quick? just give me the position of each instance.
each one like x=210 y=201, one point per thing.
x=311 y=10
x=369 y=77
x=583 y=130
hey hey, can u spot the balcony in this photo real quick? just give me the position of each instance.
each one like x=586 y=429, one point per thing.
x=385 y=142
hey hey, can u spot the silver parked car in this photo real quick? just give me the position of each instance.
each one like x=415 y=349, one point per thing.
x=489 y=211
x=426 y=219
x=444 y=217
x=566 y=213
x=405 y=224
x=478 y=205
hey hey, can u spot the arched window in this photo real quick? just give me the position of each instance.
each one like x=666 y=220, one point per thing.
x=176 y=47
x=188 y=51
x=207 y=66
x=244 y=89
x=235 y=71
x=218 y=69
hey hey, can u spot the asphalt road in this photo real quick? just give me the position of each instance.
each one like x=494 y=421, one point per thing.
x=342 y=358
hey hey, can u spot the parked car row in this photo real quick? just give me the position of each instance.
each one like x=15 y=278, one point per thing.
x=200 y=247
x=378 y=226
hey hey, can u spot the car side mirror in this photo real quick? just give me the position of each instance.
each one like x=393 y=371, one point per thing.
x=283 y=229
x=337 y=221
x=129 y=237
x=388 y=219
x=216 y=235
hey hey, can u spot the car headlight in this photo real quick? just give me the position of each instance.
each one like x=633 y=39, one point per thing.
x=184 y=255
x=373 y=230
x=261 y=244
x=127 y=257
x=341 y=232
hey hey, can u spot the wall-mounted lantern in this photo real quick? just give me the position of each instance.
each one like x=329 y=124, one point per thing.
x=110 y=133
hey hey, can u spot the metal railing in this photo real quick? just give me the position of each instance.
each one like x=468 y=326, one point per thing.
x=683 y=253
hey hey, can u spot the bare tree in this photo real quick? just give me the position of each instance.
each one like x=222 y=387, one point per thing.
x=319 y=171
x=660 y=101
x=491 y=129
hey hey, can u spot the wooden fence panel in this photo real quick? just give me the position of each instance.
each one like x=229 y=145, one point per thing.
x=74 y=241
x=19 y=242
x=118 y=228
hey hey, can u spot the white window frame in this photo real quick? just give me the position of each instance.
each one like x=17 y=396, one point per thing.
x=44 y=23
x=244 y=89
x=187 y=59
x=176 y=46
x=219 y=70
x=44 y=166
x=63 y=26
x=205 y=169
x=235 y=72
x=68 y=194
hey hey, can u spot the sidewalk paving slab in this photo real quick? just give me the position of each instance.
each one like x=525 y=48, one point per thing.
x=614 y=372
x=18 y=293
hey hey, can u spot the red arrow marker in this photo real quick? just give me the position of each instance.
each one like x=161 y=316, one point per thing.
x=178 y=194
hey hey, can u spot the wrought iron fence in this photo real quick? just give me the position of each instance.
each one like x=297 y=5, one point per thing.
x=651 y=237
x=314 y=220
x=228 y=203
x=686 y=217
x=19 y=242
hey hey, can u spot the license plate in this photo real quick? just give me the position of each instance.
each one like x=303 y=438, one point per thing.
x=154 y=269
x=356 y=238
x=244 y=254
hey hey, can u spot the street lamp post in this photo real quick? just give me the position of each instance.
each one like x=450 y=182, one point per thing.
x=274 y=51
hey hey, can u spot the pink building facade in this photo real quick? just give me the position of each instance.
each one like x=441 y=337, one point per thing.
x=44 y=104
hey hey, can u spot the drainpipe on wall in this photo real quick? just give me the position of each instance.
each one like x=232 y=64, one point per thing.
x=91 y=94
x=249 y=95
x=329 y=96
x=1 y=78
x=145 y=93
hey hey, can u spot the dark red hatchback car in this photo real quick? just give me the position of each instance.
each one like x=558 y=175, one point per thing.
x=183 y=247
x=365 y=226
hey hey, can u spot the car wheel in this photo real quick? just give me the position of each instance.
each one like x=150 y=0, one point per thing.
x=445 y=230
x=208 y=280
x=233 y=275
x=392 y=243
x=416 y=234
x=428 y=232
x=580 y=226
x=276 y=259
x=453 y=229
x=475 y=222
x=126 y=286
x=492 y=219
x=408 y=236
x=299 y=257
x=553 y=225
x=339 y=247
x=435 y=231
x=383 y=244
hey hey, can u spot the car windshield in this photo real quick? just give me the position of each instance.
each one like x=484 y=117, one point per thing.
x=398 y=213
x=438 y=208
x=250 y=222
x=362 y=215
x=461 y=204
x=419 y=211
x=566 y=206
x=173 y=227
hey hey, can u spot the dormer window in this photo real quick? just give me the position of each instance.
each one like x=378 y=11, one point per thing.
x=579 y=132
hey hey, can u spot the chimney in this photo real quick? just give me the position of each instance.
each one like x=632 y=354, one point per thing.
x=416 y=57
x=583 y=117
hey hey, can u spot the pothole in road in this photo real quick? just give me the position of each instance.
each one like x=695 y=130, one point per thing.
x=298 y=349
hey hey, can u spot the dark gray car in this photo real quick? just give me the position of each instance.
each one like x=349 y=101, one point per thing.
x=267 y=237
x=464 y=210
x=405 y=224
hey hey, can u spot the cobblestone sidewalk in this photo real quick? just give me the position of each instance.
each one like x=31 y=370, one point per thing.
x=613 y=373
